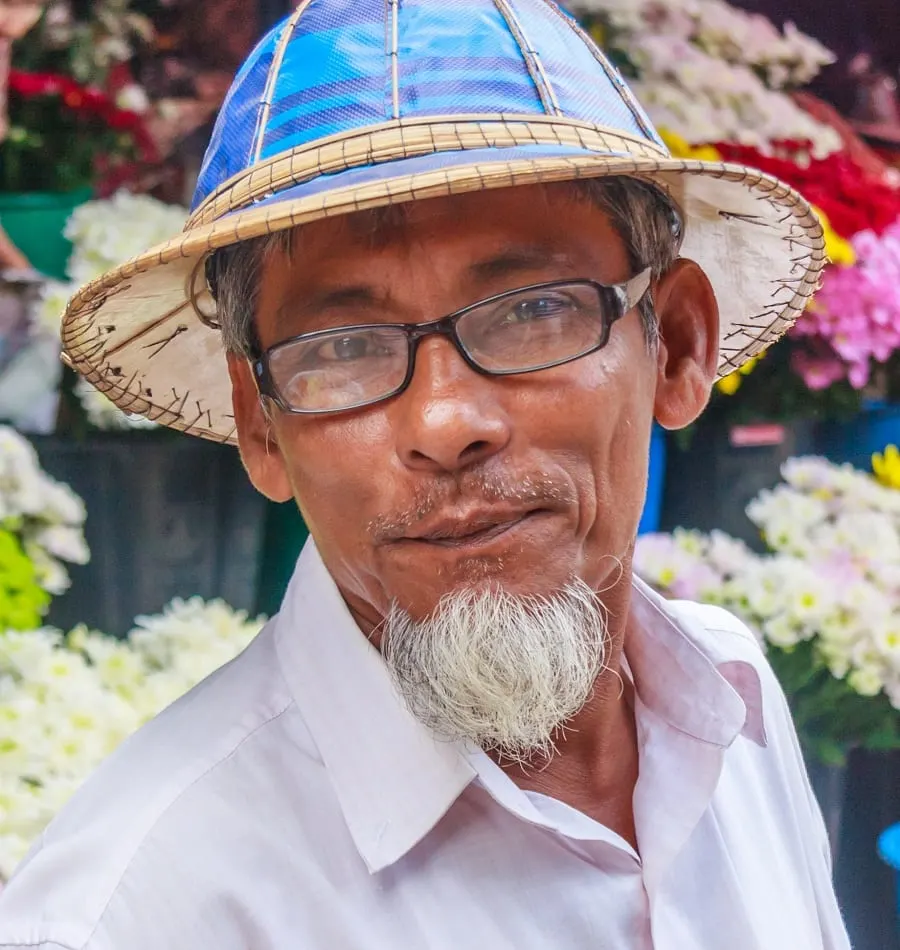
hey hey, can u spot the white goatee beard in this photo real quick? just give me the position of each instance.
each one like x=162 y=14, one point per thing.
x=502 y=671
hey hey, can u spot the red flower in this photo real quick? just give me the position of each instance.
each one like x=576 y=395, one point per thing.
x=73 y=98
x=36 y=84
x=87 y=101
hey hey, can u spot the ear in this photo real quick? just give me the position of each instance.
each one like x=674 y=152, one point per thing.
x=259 y=449
x=688 y=355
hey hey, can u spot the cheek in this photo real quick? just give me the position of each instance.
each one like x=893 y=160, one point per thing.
x=611 y=414
x=338 y=468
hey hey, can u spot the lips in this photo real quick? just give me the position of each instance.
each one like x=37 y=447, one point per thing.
x=470 y=529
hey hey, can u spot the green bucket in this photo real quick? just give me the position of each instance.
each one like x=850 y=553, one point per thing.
x=34 y=221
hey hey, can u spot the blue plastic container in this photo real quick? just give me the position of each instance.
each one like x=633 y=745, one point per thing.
x=652 y=515
x=856 y=441
x=889 y=852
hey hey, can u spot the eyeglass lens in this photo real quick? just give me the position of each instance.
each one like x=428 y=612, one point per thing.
x=518 y=332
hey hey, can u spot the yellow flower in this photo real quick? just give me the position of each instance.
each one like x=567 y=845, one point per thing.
x=730 y=384
x=886 y=466
x=748 y=367
x=839 y=250
x=681 y=148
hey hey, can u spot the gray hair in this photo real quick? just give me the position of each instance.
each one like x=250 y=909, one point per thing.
x=647 y=221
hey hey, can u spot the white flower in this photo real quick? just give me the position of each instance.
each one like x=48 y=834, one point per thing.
x=133 y=98
x=55 y=296
x=63 y=541
x=832 y=577
x=62 y=505
x=711 y=72
x=727 y=554
x=46 y=516
x=892 y=691
x=782 y=631
x=109 y=232
x=67 y=702
x=866 y=681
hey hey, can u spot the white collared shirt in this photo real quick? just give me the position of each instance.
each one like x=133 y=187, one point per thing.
x=290 y=802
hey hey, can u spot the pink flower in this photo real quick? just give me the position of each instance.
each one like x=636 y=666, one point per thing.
x=855 y=320
x=818 y=373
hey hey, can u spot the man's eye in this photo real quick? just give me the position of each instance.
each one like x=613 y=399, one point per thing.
x=345 y=348
x=538 y=308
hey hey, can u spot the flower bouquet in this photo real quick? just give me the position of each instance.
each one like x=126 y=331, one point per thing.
x=73 y=113
x=62 y=133
x=711 y=72
x=77 y=124
x=824 y=601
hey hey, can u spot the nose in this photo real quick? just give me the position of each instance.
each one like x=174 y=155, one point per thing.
x=450 y=417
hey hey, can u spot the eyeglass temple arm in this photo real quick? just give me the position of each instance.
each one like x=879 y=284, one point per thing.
x=637 y=287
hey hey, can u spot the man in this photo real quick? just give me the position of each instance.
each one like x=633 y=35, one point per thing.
x=456 y=277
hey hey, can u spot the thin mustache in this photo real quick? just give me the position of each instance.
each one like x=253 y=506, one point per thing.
x=538 y=489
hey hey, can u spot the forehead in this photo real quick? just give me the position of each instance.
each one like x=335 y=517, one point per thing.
x=458 y=227
x=410 y=262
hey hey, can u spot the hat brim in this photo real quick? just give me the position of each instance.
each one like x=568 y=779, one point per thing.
x=144 y=334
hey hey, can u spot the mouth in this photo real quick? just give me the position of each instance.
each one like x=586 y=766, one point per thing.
x=475 y=530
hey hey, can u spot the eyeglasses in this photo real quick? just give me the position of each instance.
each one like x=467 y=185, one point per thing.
x=520 y=331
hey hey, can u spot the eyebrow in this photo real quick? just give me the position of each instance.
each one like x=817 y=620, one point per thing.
x=322 y=301
x=514 y=260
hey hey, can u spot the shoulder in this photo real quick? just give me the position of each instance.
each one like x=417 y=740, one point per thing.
x=149 y=804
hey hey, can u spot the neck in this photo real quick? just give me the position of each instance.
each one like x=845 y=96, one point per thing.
x=596 y=765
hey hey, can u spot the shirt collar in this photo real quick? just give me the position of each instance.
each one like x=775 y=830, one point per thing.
x=692 y=675
x=393 y=779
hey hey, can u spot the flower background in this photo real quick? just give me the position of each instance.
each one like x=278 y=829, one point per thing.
x=824 y=602
x=68 y=699
x=721 y=84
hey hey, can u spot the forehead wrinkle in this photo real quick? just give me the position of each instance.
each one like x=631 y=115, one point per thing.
x=396 y=235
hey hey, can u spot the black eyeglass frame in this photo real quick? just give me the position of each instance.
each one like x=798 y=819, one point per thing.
x=618 y=299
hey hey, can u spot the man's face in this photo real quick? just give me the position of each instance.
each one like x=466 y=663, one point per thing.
x=462 y=480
